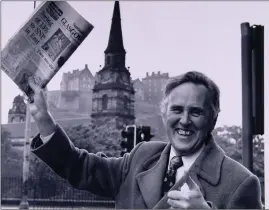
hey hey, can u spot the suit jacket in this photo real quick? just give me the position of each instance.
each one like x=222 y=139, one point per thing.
x=135 y=180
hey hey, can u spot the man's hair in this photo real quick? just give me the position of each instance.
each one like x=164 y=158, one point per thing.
x=196 y=78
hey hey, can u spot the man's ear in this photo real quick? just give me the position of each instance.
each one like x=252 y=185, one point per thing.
x=213 y=124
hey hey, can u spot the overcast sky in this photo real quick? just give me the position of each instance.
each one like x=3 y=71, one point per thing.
x=172 y=37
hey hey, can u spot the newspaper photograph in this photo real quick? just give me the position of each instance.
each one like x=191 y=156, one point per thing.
x=44 y=43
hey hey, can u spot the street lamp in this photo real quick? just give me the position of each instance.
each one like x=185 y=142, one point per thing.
x=25 y=173
x=24 y=204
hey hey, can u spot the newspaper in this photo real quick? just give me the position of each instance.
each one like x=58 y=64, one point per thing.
x=44 y=43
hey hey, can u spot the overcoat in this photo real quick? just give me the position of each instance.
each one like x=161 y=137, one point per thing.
x=135 y=180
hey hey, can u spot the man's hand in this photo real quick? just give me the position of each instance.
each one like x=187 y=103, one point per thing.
x=39 y=107
x=39 y=110
x=191 y=199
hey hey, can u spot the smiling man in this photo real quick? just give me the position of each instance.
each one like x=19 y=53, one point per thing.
x=190 y=172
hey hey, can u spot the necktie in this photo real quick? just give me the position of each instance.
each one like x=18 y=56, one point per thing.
x=170 y=176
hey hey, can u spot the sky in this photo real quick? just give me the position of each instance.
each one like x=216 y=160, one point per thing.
x=172 y=37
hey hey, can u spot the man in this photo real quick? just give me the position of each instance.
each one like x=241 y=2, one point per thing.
x=191 y=168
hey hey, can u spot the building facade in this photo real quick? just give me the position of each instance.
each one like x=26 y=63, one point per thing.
x=139 y=90
x=154 y=85
x=113 y=92
x=75 y=91
x=78 y=80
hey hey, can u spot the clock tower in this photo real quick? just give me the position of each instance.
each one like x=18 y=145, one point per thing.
x=17 y=113
x=113 y=92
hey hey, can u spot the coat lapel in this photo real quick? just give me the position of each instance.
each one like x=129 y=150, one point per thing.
x=208 y=164
x=150 y=179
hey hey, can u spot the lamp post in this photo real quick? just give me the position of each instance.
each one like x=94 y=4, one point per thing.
x=24 y=204
x=25 y=173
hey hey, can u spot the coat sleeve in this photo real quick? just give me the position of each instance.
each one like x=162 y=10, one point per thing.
x=86 y=171
x=247 y=195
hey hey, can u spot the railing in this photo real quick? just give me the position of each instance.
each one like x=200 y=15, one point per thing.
x=45 y=192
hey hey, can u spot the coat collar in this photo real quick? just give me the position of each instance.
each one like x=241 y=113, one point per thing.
x=207 y=166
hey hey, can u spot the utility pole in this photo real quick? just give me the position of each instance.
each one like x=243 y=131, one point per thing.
x=24 y=204
x=252 y=52
x=25 y=173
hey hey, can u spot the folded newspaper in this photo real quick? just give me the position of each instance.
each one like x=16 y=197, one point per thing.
x=41 y=47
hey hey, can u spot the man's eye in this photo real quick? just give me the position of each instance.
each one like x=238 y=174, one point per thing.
x=176 y=110
x=197 y=112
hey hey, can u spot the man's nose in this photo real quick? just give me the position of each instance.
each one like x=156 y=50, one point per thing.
x=184 y=120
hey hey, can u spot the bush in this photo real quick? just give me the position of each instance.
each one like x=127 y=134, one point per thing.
x=11 y=158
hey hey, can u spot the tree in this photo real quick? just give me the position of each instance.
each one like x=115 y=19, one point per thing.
x=11 y=158
x=229 y=139
x=11 y=167
x=103 y=138
x=5 y=143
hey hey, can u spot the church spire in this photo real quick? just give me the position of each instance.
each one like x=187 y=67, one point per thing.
x=115 y=42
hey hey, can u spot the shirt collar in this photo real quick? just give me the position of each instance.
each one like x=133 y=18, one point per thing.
x=187 y=160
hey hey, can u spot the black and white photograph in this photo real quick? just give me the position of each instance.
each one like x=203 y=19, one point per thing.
x=162 y=106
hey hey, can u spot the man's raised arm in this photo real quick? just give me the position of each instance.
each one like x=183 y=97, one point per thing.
x=83 y=170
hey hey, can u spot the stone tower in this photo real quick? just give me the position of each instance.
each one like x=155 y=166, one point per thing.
x=18 y=111
x=113 y=92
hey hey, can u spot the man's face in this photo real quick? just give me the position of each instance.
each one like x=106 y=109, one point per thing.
x=187 y=117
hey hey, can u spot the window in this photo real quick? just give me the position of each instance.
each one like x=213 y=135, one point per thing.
x=125 y=102
x=118 y=59
x=104 y=102
x=108 y=60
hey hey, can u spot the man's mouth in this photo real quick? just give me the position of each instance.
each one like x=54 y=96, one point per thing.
x=184 y=132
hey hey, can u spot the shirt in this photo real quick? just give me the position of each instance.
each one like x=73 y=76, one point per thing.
x=46 y=138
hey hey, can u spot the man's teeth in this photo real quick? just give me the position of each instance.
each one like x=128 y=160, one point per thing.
x=185 y=133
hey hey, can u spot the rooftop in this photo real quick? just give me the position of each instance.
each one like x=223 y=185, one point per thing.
x=77 y=73
x=157 y=75
x=115 y=42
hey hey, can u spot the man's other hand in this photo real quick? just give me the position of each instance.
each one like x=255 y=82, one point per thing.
x=187 y=199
